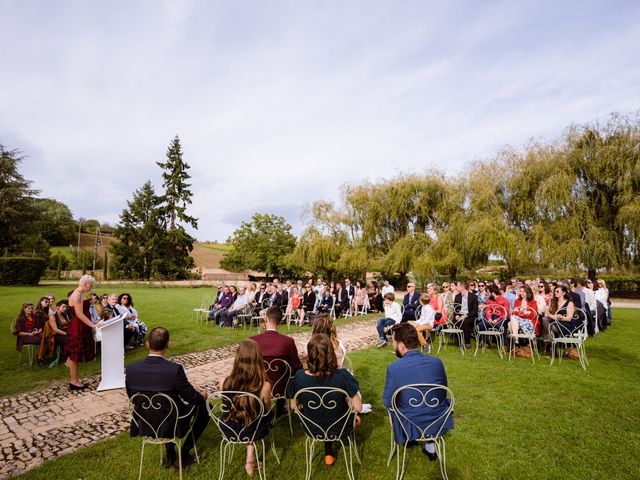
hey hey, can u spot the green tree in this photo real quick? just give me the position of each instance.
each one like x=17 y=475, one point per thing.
x=17 y=212
x=55 y=222
x=261 y=244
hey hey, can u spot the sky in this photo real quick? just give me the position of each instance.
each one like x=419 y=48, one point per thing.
x=280 y=103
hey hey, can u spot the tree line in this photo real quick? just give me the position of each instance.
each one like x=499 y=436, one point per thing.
x=569 y=205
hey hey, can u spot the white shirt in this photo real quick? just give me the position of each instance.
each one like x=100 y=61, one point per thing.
x=602 y=294
x=427 y=315
x=388 y=289
x=590 y=298
x=393 y=311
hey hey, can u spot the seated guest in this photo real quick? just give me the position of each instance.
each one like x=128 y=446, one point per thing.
x=273 y=300
x=275 y=345
x=387 y=288
x=436 y=302
x=111 y=310
x=261 y=297
x=602 y=295
x=360 y=297
x=224 y=302
x=525 y=314
x=250 y=292
x=323 y=325
x=54 y=333
x=295 y=303
x=125 y=305
x=424 y=324
x=322 y=371
x=248 y=375
x=52 y=304
x=351 y=291
x=154 y=375
x=561 y=314
x=342 y=299
x=375 y=297
x=93 y=307
x=326 y=302
x=510 y=292
x=392 y=315
x=577 y=297
x=41 y=311
x=227 y=317
x=410 y=301
x=465 y=306
x=284 y=296
x=482 y=294
x=413 y=367
x=27 y=329
x=495 y=313
x=308 y=304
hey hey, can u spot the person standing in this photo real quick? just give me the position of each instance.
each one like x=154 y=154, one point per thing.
x=79 y=345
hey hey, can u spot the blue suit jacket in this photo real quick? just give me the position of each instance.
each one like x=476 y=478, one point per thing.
x=416 y=367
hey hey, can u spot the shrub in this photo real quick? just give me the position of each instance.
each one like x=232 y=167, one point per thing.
x=21 y=270
x=622 y=285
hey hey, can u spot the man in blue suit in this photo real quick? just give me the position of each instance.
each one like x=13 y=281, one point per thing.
x=420 y=415
x=410 y=301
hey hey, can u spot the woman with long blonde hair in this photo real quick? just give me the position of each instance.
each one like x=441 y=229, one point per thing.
x=248 y=375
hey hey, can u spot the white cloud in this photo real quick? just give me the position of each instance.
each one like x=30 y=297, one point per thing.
x=279 y=104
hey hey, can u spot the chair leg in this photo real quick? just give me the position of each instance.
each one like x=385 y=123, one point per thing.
x=179 y=460
x=195 y=449
x=141 y=458
x=273 y=450
x=478 y=337
x=290 y=421
x=442 y=456
x=392 y=450
x=348 y=460
x=461 y=343
x=401 y=464
x=223 y=459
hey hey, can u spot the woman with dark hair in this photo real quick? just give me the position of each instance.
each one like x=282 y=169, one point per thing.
x=308 y=303
x=248 y=375
x=360 y=297
x=125 y=305
x=55 y=332
x=375 y=297
x=27 y=328
x=561 y=309
x=41 y=311
x=525 y=314
x=322 y=371
x=323 y=325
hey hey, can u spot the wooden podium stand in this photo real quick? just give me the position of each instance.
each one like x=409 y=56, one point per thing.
x=112 y=357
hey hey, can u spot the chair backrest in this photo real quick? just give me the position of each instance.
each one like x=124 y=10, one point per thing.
x=156 y=415
x=494 y=312
x=206 y=301
x=323 y=415
x=418 y=311
x=278 y=371
x=578 y=331
x=220 y=405
x=528 y=313
x=418 y=398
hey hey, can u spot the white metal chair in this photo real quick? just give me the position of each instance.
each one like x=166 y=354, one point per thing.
x=219 y=406
x=451 y=328
x=203 y=311
x=364 y=308
x=317 y=402
x=530 y=338
x=347 y=364
x=145 y=408
x=283 y=374
x=563 y=337
x=422 y=396
x=493 y=329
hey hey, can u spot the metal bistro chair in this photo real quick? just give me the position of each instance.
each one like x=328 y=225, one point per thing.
x=325 y=399
x=364 y=308
x=244 y=317
x=451 y=328
x=565 y=337
x=493 y=330
x=531 y=339
x=144 y=406
x=281 y=368
x=219 y=404
x=347 y=364
x=423 y=396
x=203 y=311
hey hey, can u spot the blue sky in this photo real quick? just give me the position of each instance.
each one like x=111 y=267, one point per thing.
x=280 y=103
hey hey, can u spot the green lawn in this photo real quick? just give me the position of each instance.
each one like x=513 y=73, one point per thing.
x=513 y=421
x=169 y=307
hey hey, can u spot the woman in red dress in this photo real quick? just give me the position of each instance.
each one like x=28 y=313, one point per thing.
x=79 y=345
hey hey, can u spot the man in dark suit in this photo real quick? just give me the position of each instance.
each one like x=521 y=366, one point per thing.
x=417 y=411
x=410 y=301
x=154 y=375
x=274 y=345
x=351 y=291
x=465 y=310
x=342 y=299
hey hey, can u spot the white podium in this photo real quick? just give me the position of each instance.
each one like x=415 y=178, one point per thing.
x=112 y=333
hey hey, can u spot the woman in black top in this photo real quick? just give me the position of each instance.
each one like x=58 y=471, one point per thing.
x=322 y=371
x=308 y=302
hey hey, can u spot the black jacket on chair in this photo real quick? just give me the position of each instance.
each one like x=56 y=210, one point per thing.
x=154 y=375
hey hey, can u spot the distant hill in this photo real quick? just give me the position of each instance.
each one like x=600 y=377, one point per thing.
x=205 y=254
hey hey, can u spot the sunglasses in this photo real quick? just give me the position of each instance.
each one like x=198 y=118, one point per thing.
x=558 y=291
x=481 y=285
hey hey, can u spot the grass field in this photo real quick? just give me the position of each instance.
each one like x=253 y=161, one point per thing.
x=169 y=307
x=512 y=420
x=218 y=247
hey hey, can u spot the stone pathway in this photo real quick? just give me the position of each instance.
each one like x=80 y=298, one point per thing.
x=44 y=424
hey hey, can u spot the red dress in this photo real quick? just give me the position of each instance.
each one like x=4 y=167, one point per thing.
x=79 y=345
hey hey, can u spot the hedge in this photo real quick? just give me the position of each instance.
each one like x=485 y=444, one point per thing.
x=21 y=270
x=622 y=285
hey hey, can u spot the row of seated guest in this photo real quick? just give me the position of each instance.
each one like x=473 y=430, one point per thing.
x=105 y=307
x=156 y=374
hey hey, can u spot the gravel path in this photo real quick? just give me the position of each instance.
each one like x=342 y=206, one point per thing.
x=67 y=420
